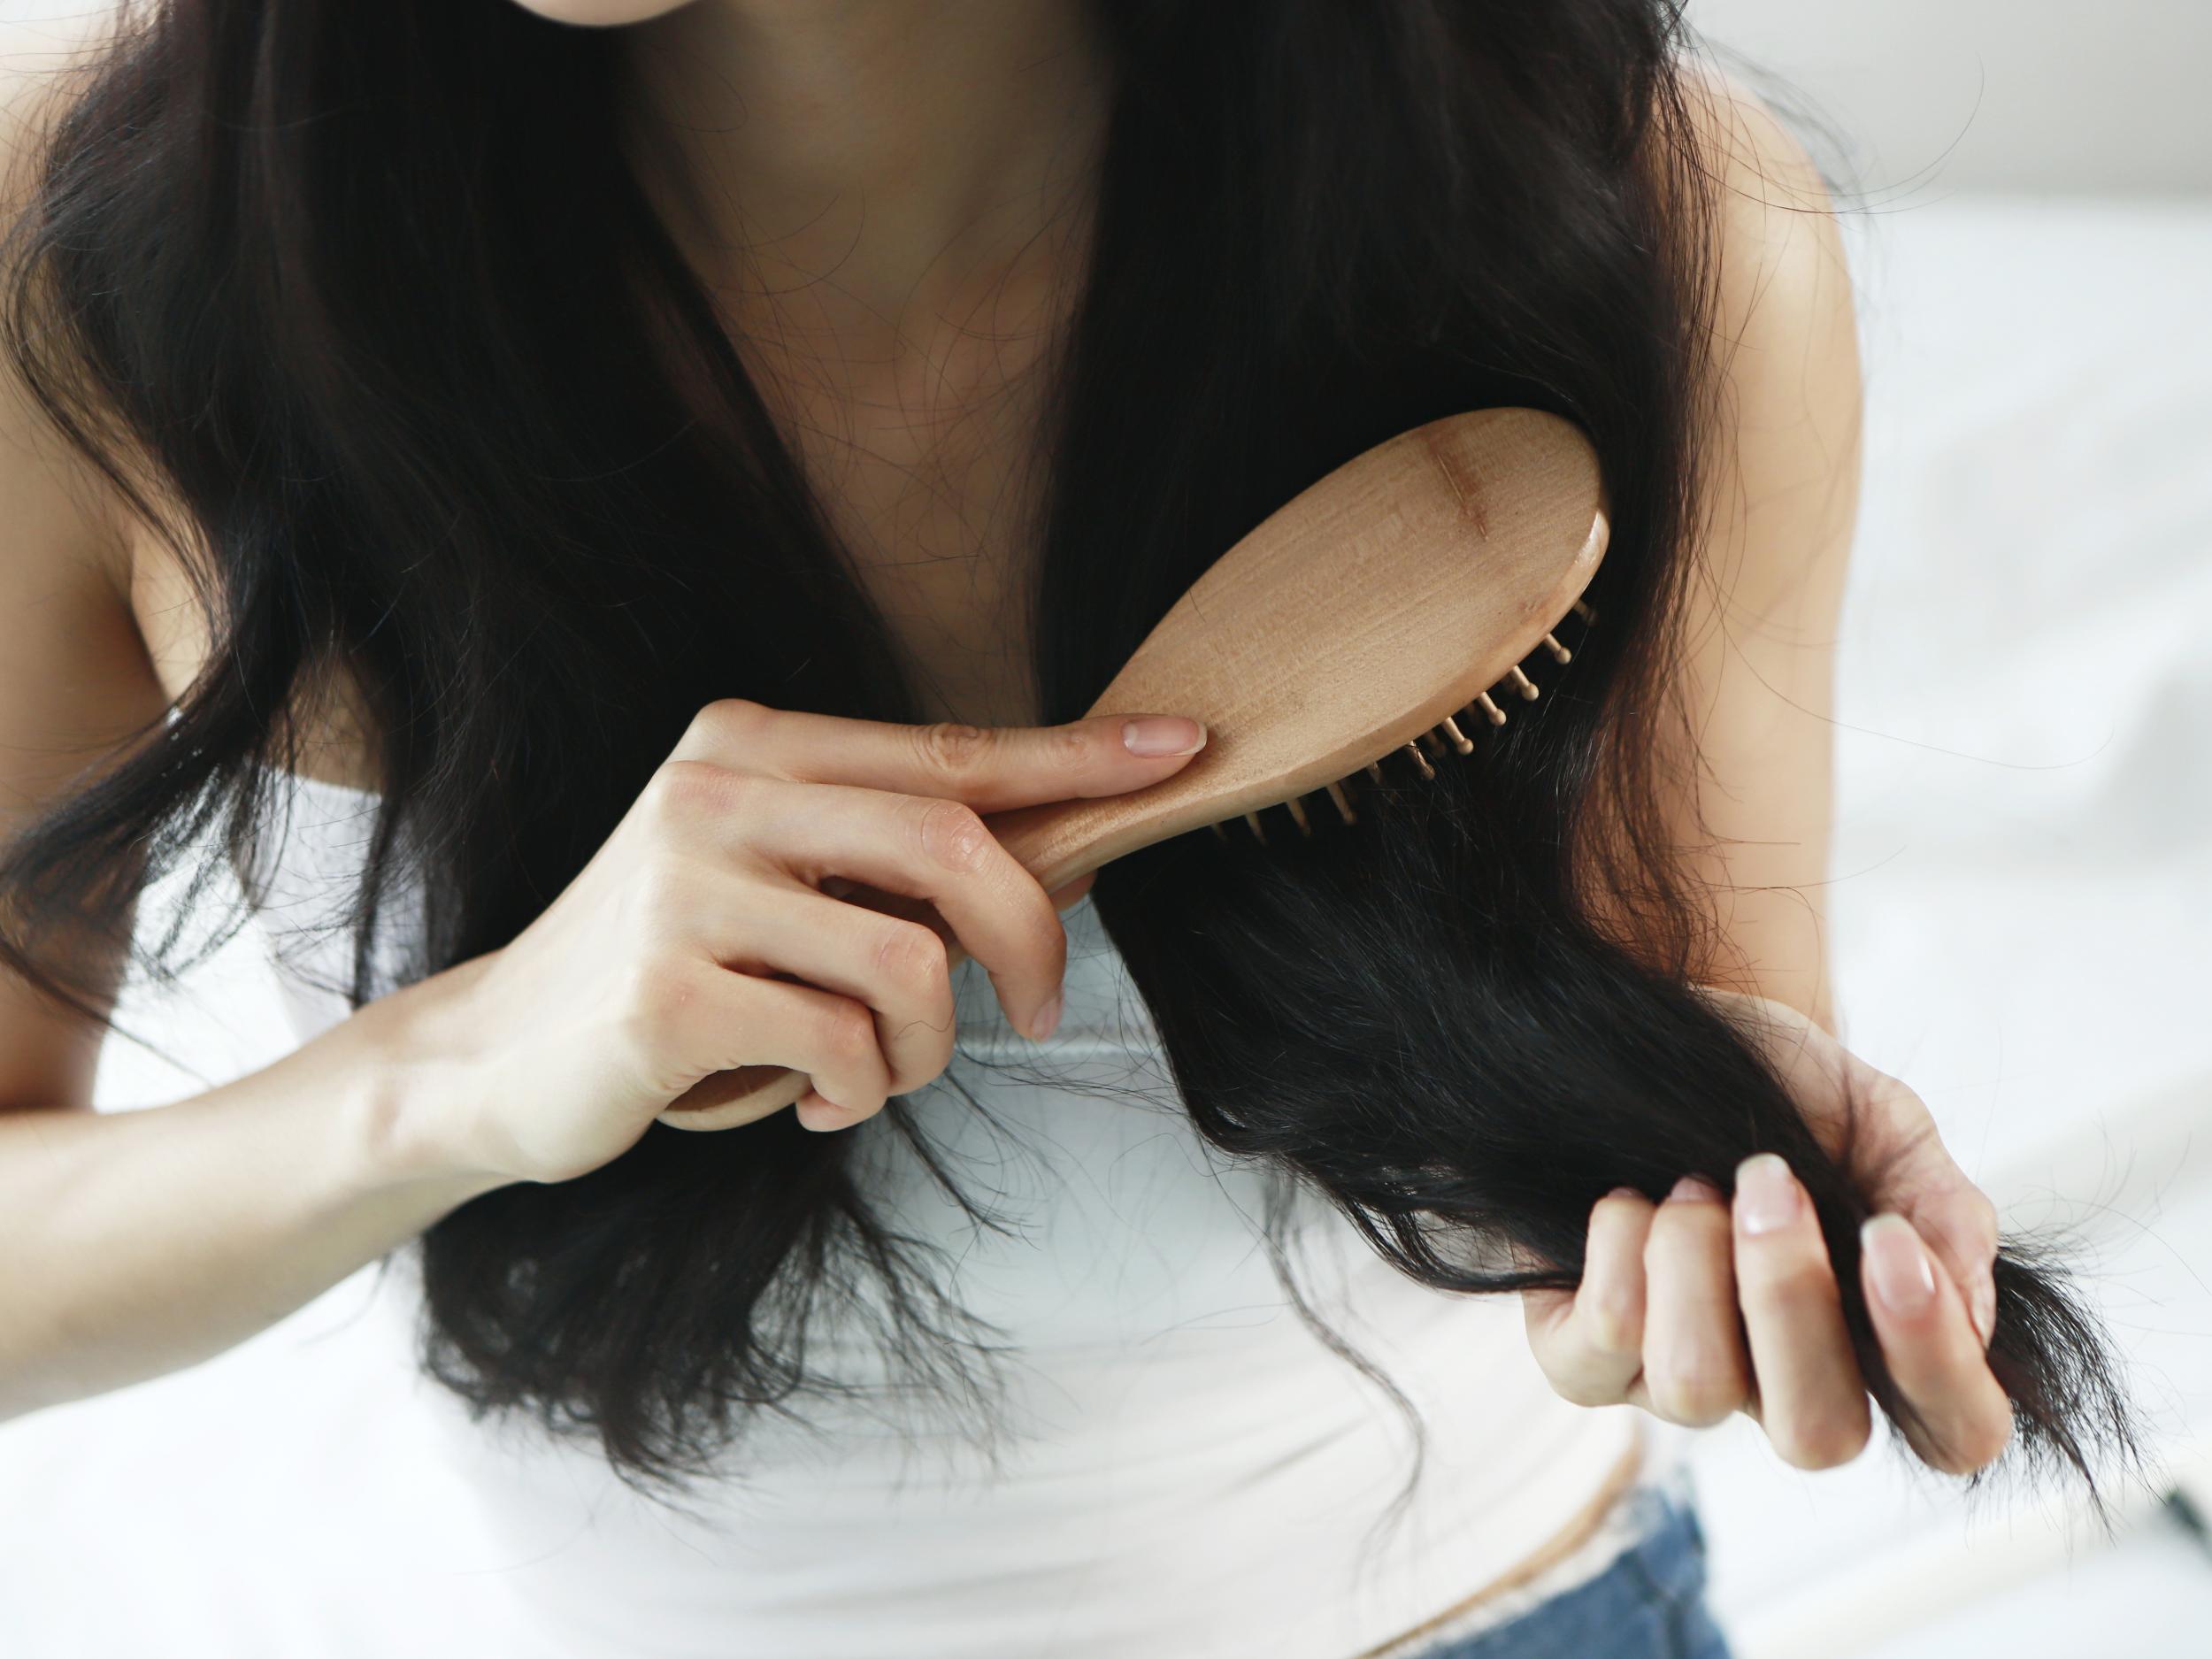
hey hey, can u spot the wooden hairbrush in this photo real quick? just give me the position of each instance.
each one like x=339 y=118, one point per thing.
x=1354 y=623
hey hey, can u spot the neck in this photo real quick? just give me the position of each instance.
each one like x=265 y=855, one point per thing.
x=890 y=156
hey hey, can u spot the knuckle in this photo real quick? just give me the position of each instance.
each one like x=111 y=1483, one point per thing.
x=1614 y=1322
x=1575 y=1376
x=681 y=790
x=728 y=722
x=1582 y=1389
x=1072 y=747
x=1982 y=1209
x=1695 y=1394
x=911 y=1074
x=660 y=894
x=1687 y=1240
x=1786 y=1286
x=953 y=834
x=953 y=750
x=1819 y=1443
x=846 y=1031
x=1608 y=1315
x=912 y=957
x=1690 y=1406
x=1970 y=1450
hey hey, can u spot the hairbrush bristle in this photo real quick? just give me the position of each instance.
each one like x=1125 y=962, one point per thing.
x=1446 y=730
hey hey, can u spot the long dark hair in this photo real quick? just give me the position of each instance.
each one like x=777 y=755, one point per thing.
x=381 y=307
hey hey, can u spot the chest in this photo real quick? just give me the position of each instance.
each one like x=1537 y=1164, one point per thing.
x=936 y=513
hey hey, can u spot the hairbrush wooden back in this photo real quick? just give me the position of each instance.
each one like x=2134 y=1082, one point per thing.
x=1375 y=605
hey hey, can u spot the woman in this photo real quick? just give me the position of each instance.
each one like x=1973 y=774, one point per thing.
x=677 y=464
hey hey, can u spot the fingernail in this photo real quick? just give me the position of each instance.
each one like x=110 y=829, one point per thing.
x=1903 y=1277
x=1985 y=1306
x=1047 y=1018
x=1624 y=1192
x=1767 y=1194
x=1693 y=1187
x=1163 y=734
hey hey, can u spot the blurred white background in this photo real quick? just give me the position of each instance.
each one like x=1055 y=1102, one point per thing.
x=1998 y=95
x=2022 y=880
x=2023 y=883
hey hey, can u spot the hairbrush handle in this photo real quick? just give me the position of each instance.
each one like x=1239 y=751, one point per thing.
x=1377 y=602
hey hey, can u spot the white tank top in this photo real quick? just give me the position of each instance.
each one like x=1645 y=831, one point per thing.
x=1182 y=1466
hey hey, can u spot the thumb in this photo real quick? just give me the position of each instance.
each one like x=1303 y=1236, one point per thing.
x=1960 y=1226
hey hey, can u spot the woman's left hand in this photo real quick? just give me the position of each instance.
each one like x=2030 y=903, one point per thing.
x=1656 y=1321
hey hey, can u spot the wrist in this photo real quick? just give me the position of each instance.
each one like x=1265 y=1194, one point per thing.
x=415 y=1100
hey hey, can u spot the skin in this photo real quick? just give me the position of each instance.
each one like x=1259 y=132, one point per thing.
x=708 y=930
x=890 y=210
x=1692 y=1309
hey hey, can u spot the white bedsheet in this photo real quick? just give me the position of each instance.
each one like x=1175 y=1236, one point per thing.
x=2023 y=889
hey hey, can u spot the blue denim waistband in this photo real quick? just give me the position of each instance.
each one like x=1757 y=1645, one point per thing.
x=1648 y=1604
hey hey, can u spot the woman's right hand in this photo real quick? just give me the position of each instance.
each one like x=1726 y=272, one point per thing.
x=658 y=965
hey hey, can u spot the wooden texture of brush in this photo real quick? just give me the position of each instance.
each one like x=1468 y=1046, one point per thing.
x=1397 y=592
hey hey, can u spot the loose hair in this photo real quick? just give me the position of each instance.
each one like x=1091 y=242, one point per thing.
x=373 y=317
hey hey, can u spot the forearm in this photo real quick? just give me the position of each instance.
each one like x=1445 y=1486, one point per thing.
x=1768 y=759
x=137 y=1243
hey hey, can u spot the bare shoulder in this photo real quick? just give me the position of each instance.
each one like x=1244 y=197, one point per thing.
x=60 y=505
x=75 y=682
x=66 y=619
x=1775 y=194
x=94 y=590
x=1785 y=453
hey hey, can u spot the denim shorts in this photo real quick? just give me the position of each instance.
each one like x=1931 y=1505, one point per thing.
x=1648 y=1604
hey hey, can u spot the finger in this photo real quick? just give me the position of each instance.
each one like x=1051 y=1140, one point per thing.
x=1960 y=1224
x=1933 y=1350
x=899 y=968
x=923 y=847
x=1073 y=892
x=1953 y=1216
x=1589 y=1342
x=920 y=910
x=704 y=1019
x=816 y=1111
x=1812 y=1401
x=1695 y=1368
x=897 y=904
x=990 y=768
x=1064 y=899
